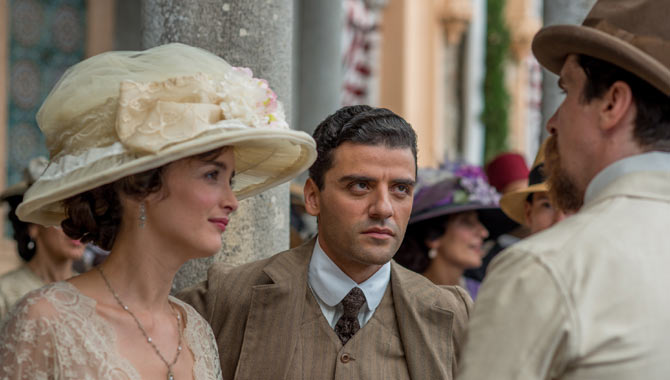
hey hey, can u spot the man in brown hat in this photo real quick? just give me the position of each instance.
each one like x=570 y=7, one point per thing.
x=338 y=307
x=588 y=298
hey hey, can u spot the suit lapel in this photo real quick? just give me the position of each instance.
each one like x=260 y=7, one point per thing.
x=275 y=313
x=425 y=328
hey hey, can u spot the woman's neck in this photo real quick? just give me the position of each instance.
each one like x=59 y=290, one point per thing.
x=141 y=271
x=49 y=269
x=442 y=273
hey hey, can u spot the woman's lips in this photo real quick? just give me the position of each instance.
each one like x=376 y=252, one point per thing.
x=220 y=223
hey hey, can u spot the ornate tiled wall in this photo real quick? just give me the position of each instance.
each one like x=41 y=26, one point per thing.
x=46 y=37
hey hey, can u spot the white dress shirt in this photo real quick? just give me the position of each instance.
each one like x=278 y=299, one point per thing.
x=329 y=286
x=656 y=161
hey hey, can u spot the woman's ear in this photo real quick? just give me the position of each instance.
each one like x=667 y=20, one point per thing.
x=432 y=243
x=33 y=231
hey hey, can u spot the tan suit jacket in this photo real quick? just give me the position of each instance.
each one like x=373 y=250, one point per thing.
x=585 y=299
x=255 y=311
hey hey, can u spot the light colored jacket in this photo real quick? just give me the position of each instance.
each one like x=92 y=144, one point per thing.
x=255 y=311
x=587 y=299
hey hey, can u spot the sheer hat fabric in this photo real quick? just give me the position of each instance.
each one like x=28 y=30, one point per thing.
x=631 y=34
x=122 y=113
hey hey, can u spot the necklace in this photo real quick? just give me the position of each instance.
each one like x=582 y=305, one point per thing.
x=170 y=375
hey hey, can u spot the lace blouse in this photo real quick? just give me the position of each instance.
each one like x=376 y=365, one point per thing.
x=55 y=333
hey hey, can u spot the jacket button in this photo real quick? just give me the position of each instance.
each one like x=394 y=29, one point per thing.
x=345 y=358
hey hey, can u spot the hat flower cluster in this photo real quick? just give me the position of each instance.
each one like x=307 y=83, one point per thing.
x=453 y=187
x=259 y=107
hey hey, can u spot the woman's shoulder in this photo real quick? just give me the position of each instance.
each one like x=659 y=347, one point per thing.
x=51 y=301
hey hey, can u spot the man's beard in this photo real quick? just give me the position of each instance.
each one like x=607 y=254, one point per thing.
x=563 y=191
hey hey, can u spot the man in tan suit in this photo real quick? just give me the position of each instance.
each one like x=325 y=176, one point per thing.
x=588 y=297
x=338 y=307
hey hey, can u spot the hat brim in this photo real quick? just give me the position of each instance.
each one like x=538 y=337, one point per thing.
x=553 y=44
x=264 y=158
x=512 y=203
x=448 y=209
x=14 y=190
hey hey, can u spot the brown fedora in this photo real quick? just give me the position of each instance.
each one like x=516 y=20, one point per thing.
x=632 y=34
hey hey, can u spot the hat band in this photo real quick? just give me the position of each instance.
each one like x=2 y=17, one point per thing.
x=536 y=176
x=68 y=163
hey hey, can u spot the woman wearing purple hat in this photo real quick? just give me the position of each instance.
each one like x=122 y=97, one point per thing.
x=445 y=236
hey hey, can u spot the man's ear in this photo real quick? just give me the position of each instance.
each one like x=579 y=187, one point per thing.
x=617 y=105
x=312 y=197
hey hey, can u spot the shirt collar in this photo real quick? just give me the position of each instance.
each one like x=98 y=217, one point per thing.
x=331 y=284
x=652 y=161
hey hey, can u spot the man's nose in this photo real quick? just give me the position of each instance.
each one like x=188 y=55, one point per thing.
x=558 y=216
x=381 y=207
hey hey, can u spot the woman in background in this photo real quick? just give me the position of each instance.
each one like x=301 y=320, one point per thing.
x=445 y=236
x=47 y=253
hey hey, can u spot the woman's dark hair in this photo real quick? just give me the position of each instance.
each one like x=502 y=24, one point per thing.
x=413 y=252
x=21 y=234
x=95 y=215
x=652 y=122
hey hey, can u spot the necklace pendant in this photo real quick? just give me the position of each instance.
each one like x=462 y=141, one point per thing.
x=170 y=376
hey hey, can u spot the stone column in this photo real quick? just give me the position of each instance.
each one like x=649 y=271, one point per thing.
x=253 y=33
x=319 y=61
x=559 y=12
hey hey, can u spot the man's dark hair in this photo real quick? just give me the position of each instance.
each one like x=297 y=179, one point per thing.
x=359 y=124
x=652 y=122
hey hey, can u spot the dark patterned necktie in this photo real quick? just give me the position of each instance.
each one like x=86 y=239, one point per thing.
x=348 y=324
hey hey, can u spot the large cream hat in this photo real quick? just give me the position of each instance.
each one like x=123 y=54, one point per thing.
x=631 y=34
x=122 y=113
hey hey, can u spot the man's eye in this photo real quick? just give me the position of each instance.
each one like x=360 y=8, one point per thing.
x=403 y=189
x=359 y=186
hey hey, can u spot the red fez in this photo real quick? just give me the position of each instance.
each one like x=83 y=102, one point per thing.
x=505 y=169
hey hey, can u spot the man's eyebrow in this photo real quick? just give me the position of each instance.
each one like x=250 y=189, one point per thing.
x=356 y=178
x=362 y=178
x=405 y=181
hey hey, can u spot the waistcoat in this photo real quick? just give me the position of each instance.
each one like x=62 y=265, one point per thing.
x=374 y=352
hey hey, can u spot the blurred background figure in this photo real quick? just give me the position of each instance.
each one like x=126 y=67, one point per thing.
x=47 y=254
x=531 y=206
x=507 y=172
x=453 y=206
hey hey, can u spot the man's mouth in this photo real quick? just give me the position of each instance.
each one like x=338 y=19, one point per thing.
x=379 y=233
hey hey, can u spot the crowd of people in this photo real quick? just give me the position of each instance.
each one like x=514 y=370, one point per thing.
x=151 y=151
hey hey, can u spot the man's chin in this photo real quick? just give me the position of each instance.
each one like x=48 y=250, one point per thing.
x=562 y=189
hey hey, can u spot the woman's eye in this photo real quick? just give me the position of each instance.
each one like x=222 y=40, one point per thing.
x=213 y=175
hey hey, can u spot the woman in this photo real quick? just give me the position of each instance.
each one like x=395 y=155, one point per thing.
x=148 y=153
x=445 y=236
x=47 y=253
